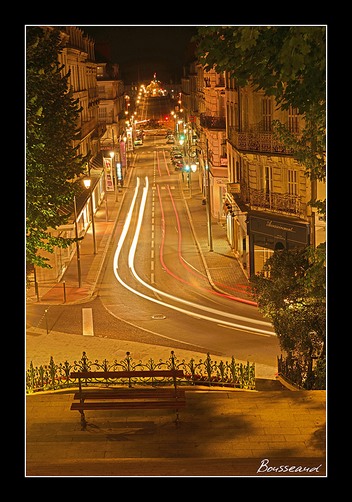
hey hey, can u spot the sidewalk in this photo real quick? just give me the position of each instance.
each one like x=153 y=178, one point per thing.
x=67 y=291
x=223 y=269
x=221 y=433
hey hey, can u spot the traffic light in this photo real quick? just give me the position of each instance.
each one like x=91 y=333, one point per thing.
x=186 y=168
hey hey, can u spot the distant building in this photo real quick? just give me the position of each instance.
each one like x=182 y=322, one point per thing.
x=111 y=94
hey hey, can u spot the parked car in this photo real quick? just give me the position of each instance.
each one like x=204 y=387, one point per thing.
x=174 y=151
x=176 y=158
x=138 y=141
x=179 y=165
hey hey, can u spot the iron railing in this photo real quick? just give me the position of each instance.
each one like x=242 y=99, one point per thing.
x=212 y=122
x=204 y=372
x=305 y=374
x=257 y=141
x=274 y=202
x=277 y=202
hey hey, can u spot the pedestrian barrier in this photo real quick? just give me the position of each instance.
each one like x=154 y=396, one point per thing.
x=205 y=372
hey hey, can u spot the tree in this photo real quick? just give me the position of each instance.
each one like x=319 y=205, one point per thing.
x=287 y=62
x=52 y=162
x=291 y=292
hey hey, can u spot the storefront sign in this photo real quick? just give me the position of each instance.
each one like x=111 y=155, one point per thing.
x=119 y=171
x=109 y=182
x=123 y=153
x=234 y=187
x=129 y=139
x=280 y=229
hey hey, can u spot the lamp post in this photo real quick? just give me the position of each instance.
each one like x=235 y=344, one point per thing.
x=78 y=253
x=210 y=234
x=206 y=182
x=126 y=153
x=189 y=169
x=113 y=173
x=173 y=114
x=87 y=183
x=192 y=170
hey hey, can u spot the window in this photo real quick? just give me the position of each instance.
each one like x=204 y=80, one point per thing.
x=101 y=91
x=102 y=113
x=293 y=119
x=245 y=124
x=267 y=114
x=267 y=179
x=221 y=105
x=292 y=182
x=220 y=81
x=238 y=172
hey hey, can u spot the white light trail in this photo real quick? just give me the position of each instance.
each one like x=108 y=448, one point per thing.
x=131 y=257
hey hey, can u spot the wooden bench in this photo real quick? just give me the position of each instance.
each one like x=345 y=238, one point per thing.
x=114 y=398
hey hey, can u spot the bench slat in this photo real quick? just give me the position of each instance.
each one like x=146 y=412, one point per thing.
x=130 y=394
x=123 y=405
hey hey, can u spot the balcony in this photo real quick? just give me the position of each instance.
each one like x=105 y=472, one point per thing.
x=212 y=122
x=87 y=128
x=99 y=130
x=223 y=161
x=257 y=141
x=275 y=202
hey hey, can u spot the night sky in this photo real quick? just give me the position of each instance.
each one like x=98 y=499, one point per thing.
x=142 y=50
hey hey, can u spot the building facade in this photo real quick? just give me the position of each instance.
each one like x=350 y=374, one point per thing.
x=256 y=186
x=78 y=57
x=111 y=105
x=203 y=105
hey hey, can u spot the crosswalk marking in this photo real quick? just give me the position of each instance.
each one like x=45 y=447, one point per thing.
x=87 y=322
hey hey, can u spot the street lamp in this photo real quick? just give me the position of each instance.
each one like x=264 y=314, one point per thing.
x=189 y=170
x=87 y=183
x=78 y=253
x=173 y=114
x=113 y=172
x=206 y=184
x=210 y=235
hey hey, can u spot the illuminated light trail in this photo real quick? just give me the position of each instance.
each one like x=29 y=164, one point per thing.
x=156 y=161
x=166 y=164
x=126 y=225
x=199 y=274
x=161 y=293
x=183 y=262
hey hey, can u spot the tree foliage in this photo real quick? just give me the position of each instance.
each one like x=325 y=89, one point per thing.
x=287 y=62
x=52 y=162
x=291 y=292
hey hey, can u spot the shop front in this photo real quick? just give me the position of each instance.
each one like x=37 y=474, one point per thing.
x=269 y=233
x=236 y=225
